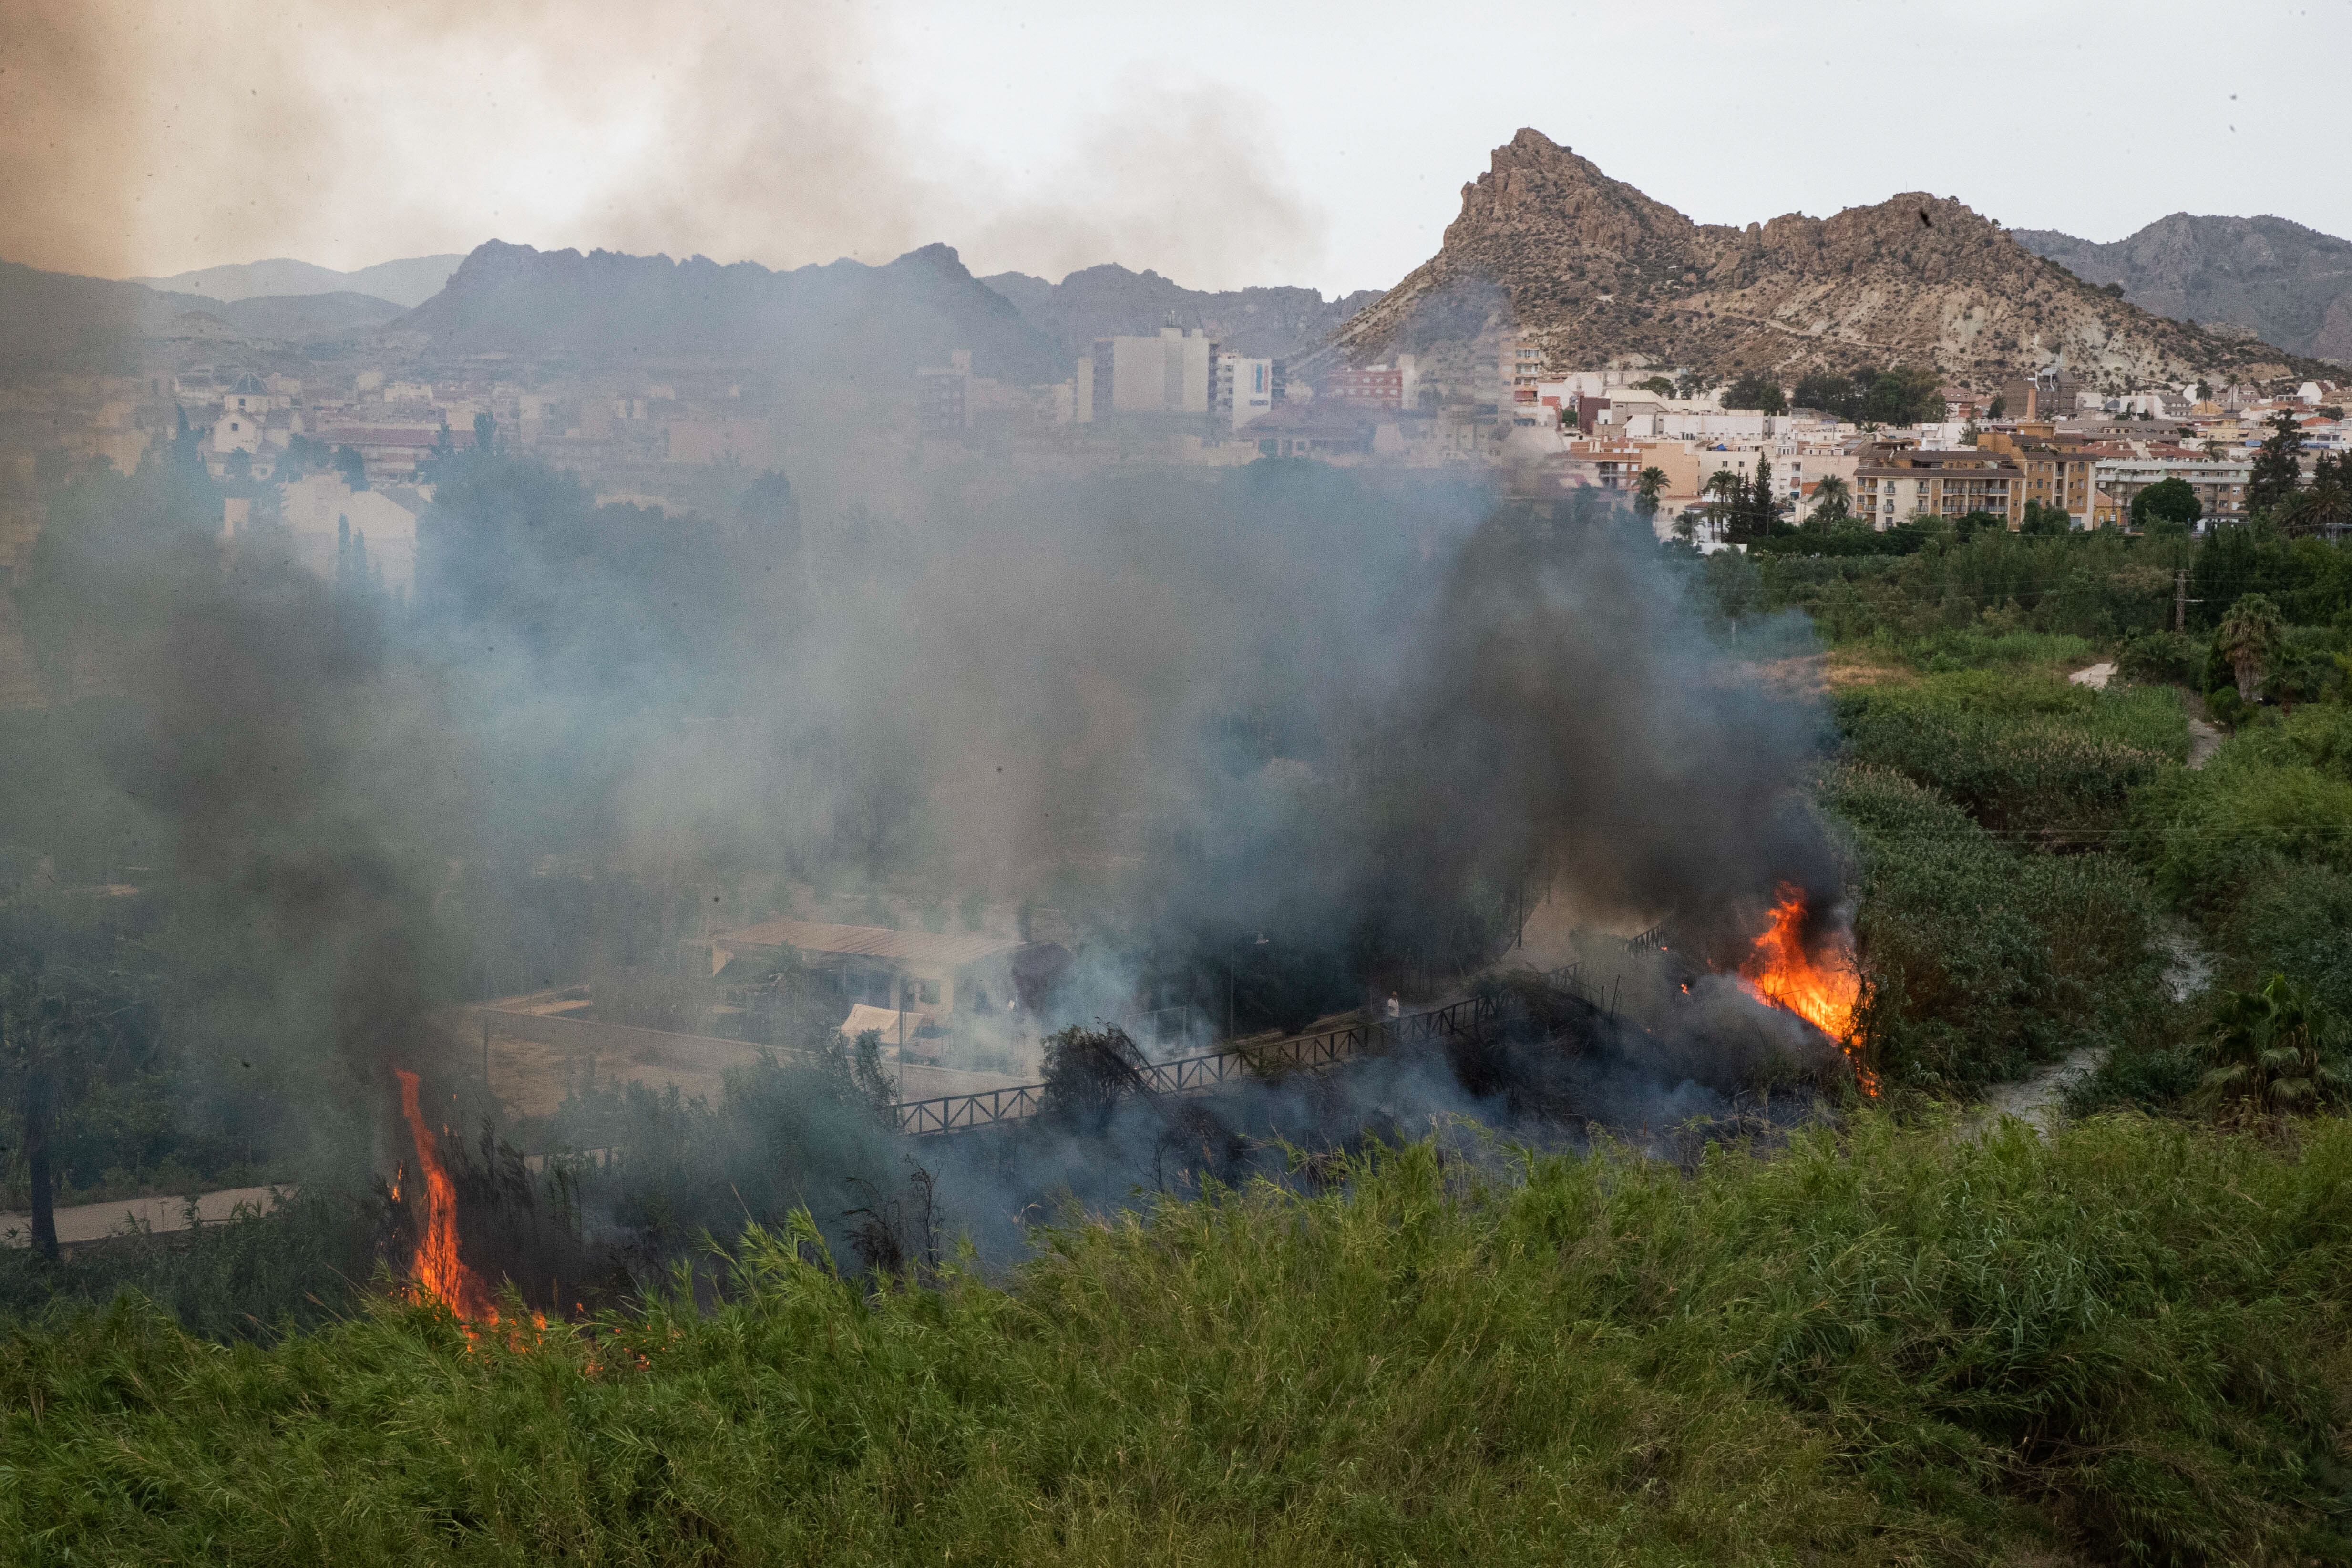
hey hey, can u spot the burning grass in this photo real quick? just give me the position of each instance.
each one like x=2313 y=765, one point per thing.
x=1879 y=1346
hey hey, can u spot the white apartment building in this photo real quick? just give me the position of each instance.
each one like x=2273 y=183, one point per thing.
x=2220 y=483
x=1244 y=389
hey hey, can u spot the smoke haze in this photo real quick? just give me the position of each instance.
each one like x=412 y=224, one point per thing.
x=139 y=139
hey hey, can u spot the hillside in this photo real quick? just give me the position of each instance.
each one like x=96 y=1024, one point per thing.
x=2289 y=285
x=1103 y=301
x=60 y=320
x=1597 y=271
x=842 y=318
x=406 y=283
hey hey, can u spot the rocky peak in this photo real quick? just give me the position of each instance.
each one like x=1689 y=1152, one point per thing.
x=1598 y=272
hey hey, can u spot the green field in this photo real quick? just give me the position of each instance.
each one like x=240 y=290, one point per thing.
x=1884 y=1346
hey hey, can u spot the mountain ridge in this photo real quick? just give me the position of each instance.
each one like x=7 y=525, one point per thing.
x=51 y=320
x=2287 y=282
x=840 y=317
x=407 y=282
x=1597 y=271
x=1108 y=300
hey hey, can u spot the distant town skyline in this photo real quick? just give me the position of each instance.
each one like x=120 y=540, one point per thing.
x=1222 y=146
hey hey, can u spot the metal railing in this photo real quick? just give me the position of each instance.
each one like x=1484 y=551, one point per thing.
x=1192 y=1074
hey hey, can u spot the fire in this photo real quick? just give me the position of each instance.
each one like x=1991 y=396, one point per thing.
x=1821 y=987
x=440 y=1273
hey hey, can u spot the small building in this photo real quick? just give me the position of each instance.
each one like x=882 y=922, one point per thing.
x=922 y=975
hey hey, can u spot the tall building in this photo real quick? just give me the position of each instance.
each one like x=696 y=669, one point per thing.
x=943 y=393
x=1166 y=374
x=1244 y=389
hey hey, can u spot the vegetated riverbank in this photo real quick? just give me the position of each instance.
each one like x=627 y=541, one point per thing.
x=2126 y=1343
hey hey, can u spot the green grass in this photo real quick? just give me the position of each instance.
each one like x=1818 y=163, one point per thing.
x=1888 y=1347
x=1982 y=956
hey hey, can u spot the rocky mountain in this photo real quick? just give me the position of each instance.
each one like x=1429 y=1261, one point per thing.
x=406 y=283
x=1107 y=301
x=1597 y=271
x=2289 y=285
x=841 y=320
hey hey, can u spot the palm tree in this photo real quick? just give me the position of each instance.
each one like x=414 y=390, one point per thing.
x=2249 y=638
x=1648 y=486
x=1833 y=501
x=1728 y=489
x=2326 y=507
x=2277 y=1050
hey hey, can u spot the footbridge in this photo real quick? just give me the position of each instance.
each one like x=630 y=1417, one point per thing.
x=1197 y=1074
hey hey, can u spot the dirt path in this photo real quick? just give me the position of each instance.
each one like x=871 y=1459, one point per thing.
x=2204 y=740
x=2037 y=1101
x=2096 y=677
x=96 y=1222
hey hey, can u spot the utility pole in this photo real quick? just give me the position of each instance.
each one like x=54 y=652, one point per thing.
x=2180 y=600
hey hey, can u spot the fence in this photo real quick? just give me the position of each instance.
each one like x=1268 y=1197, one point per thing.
x=1192 y=1074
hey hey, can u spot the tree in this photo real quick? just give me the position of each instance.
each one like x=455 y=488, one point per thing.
x=1648 y=486
x=2324 y=509
x=1905 y=394
x=353 y=466
x=1833 y=502
x=1756 y=391
x=1830 y=392
x=1727 y=494
x=1998 y=407
x=2249 y=637
x=1660 y=385
x=2041 y=519
x=2168 y=502
x=2278 y=466
x=1761 y=507
x=2278 y=1049
x=48 y=1019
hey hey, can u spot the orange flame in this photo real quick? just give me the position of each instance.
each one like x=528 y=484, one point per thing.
x=441 y=1274
x=1821 y=987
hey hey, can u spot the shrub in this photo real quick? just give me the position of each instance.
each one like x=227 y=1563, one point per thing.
x=2171 y=657
x=1980 y=960
x=2021 y=753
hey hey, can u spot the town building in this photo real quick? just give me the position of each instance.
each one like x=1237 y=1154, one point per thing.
x=921 y=977
x=1368 y=386
x=2220 y=483
x=1244 y=389
x=1894 y=484
x=2055 y=473
x=2049 y=393
x=1167 y=375
x=943 y=395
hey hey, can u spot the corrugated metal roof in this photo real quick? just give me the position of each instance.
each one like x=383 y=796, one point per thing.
x=868 y=941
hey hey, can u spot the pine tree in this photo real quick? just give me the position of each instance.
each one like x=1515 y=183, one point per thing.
x=2278 y=466
x=1760 y=498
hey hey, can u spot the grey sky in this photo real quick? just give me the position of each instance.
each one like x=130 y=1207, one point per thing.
x=1222 y=143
